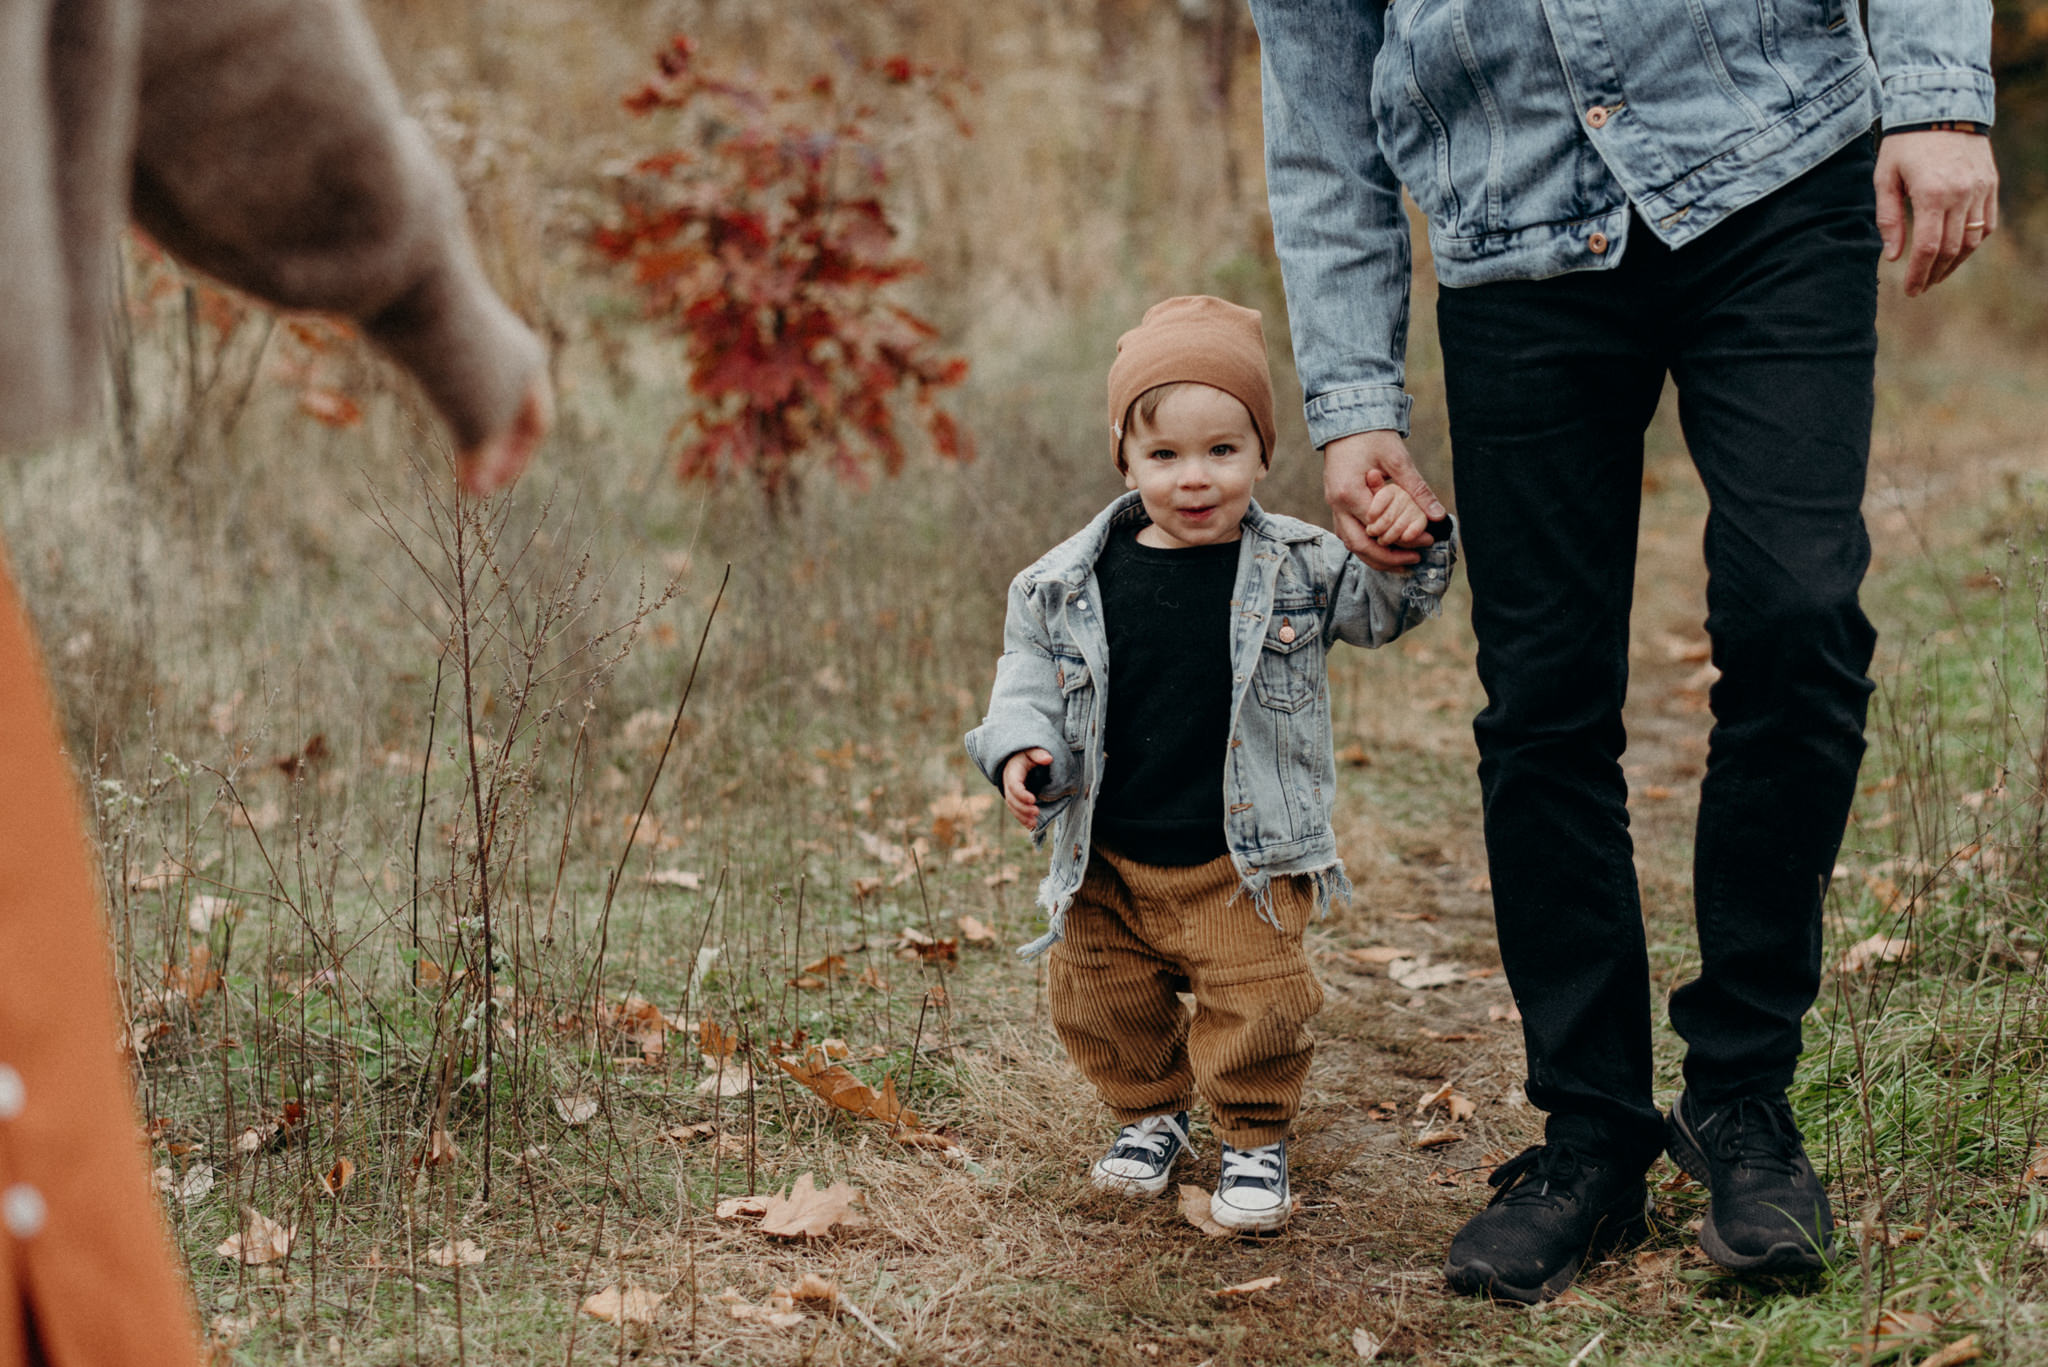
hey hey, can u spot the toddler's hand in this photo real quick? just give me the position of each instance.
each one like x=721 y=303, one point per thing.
x=1392 y=517
x=1023 y=804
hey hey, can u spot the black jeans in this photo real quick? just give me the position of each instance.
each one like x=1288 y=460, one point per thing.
x=1767 y=326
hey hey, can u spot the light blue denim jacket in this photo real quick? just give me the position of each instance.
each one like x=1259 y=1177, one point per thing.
x=1298 y=591
x=1525 y=129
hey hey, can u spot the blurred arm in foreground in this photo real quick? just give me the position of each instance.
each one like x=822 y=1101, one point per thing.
x=263 y=142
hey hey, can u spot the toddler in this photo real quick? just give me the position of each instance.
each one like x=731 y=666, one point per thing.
x=1161 y=717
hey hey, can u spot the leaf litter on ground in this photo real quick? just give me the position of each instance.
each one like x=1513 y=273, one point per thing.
x=623 y=1304
x=261 y=1240
x=807 y=1212
x=840 y=1089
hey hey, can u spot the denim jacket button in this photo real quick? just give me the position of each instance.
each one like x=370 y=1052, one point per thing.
x=1597 y=244
x=1596 y=117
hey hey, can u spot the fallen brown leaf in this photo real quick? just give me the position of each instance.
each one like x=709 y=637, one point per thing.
x=813 y=1290
x=1964 y=1349
x=841 y=1089
x=729 y=1079
x=261 y=1240
x=441 y=1149
x=1419 y=975
x=1877 y=949
x=1436 y=1139
x=337 y=1178
x=716 y=1042
x=1497 y=1012
x=627 y=1305
x=817 y=975
x=1378 y=955
x=1194 y=1207
x=461 y=1253
x=733 y=1207
x=809 y=1213
x=915 y=945
x=639 y=1022
x=974 y=932
x=1250 y=1288
x=576 y=1110
x=1904 y=1324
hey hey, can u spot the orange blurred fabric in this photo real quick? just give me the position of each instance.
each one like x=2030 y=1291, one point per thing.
x=98 y=1283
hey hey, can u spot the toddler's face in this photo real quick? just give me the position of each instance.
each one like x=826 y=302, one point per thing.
x=1193 y=465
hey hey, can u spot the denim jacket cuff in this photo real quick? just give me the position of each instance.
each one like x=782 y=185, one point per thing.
x=1359 y=408
x=1932 y=96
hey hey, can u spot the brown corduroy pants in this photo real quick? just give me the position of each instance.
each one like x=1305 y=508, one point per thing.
x=1137 y=936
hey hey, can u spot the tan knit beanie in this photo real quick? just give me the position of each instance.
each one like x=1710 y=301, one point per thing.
x=1199 y=338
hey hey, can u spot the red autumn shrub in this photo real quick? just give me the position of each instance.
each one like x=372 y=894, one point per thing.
x=762 y=241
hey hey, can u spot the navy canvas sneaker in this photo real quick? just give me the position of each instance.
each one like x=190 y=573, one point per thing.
x=1253 y=1196
x=1141 y=1160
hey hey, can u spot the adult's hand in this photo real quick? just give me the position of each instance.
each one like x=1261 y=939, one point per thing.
x=499 y=458
x=1346 y=462
x=1951 y=184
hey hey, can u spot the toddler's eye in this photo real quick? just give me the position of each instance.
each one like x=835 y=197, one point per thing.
x=1163 y=453
x=1221 y=449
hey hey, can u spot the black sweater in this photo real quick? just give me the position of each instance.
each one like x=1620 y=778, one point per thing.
x=1168 y=618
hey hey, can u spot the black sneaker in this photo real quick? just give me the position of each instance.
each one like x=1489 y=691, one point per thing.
x=1766 y=1209
x=1554 y=1208
x=1253 y=1196
x=1142 y=1158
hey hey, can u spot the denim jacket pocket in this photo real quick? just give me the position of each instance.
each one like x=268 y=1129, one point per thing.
x=1290 y=671
x=1077 y=698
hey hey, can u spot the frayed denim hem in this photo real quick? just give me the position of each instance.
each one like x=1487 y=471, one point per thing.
x=1332 y=885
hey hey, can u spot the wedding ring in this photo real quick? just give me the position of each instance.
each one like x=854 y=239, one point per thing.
x=1974 y=223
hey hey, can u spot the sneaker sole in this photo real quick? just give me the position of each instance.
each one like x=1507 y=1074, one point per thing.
x=1477 y=1277
x=1252 y=1222
x=1119 y=1185
x=1789 y=1257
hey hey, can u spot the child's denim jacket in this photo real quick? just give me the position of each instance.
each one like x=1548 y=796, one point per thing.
x=1298 y=590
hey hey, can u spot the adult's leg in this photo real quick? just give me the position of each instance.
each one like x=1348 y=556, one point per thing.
x=1774 y=342
x=1550 y=385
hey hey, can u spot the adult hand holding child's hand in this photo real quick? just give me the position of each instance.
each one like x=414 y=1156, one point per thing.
x=1349 y=466
x=1021 y=801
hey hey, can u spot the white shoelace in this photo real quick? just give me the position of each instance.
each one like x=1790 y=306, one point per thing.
x=1152 y=1133
x=1259 y=1165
